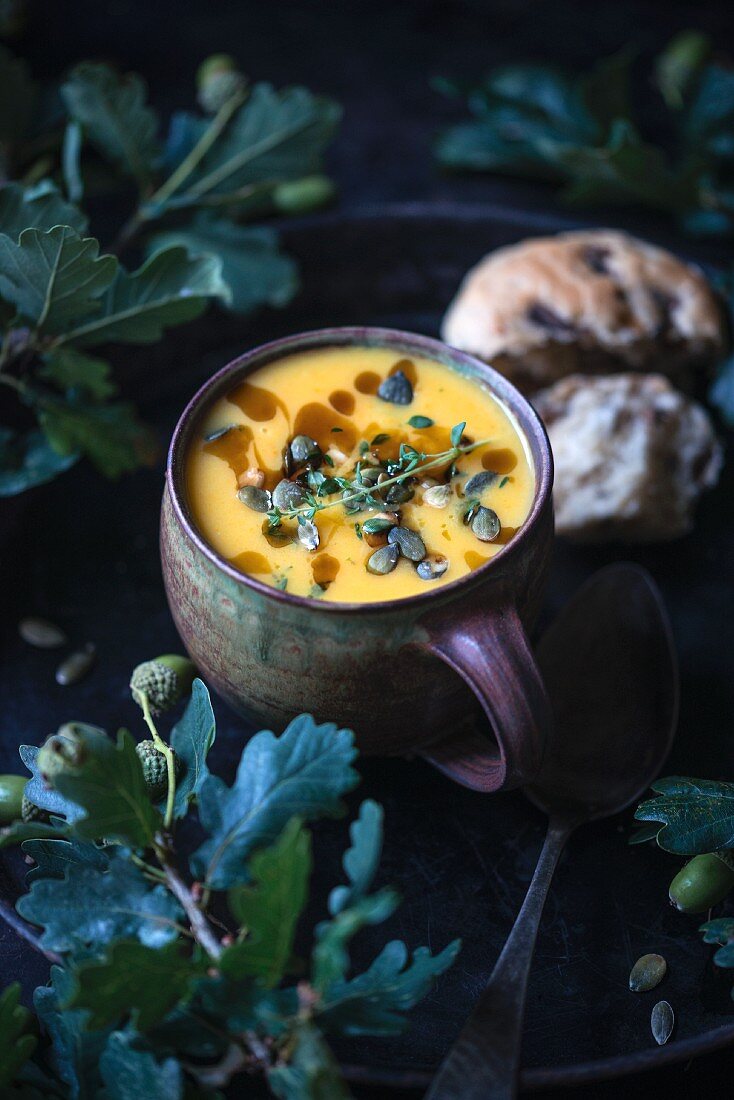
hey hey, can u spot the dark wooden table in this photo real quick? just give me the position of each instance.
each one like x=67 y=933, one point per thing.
x=377 y=57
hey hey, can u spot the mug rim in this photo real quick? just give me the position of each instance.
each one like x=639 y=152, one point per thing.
x=355 y=336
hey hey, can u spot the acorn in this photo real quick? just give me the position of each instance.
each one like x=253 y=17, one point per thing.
x=65 y=751
x=164 y=681
x=29 y=811
x=302 y=195
x=217 y=80
x=155 y=770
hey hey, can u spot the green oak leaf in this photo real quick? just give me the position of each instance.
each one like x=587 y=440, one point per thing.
x=133 y=1074
x=678 y=65
x=253 y=268
x=362 y=859
x=171 y=287
x=28 y=459
x=114 y=115
x=53 y=854
x=17 y=1042
x=88 y=908
x=191 y=739
x=45 y=796
x=374 y=1002
x=268 y=910
x=39 y=207
x=275 y=135
x=330 y=960
x=53 y=277
x=71 y=369
x=697 y=814
x=75 y=1051
x=110 y=787
x=20 y=831
x=721 y=931
x=143 y=983
x=244 y=1004
x=625 y=169
x=307 y=1069
x=301 y=773
x=110 y=435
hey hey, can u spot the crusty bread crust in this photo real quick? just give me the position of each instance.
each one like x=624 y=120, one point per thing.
x=591 y=302
x=632 y=456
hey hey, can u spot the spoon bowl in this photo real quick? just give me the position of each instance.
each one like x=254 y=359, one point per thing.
x=610 y=669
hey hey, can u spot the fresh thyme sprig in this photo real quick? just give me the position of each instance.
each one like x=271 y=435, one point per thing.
x=411 y=461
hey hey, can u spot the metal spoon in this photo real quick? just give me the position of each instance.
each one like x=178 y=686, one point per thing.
x=611 y=673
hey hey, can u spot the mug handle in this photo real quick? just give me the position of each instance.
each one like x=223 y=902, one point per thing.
x=491 y=652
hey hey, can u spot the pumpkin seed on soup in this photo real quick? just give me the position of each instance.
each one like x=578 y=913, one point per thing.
x=396 y=389
x=410 y=544
x=257 y=499
x=485 y=524
x=383 y=560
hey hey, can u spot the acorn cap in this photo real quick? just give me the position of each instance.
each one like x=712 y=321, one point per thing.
x=164 y=681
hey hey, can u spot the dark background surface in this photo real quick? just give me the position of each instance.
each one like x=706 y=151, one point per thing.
x=376 y=58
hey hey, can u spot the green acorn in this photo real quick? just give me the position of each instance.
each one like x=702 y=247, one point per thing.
x=164 y=680
x=64 y=751
x=155 y=770
x=217 y=80
x=29 y=811
x=300 y=196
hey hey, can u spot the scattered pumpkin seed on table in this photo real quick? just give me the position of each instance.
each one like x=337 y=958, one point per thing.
x=662 y=1022
x=41 y=633
x=76 y=666
x=648 y=971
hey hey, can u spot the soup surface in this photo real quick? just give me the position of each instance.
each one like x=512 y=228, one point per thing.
x=334 y=473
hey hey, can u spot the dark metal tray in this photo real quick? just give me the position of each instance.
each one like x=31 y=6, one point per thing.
x=85 y=553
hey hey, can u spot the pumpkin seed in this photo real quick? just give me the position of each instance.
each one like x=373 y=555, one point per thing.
x=76 y=666
x=370 y=475
x=219 y=432
x=410 y=544
x=486 y=525
x=308 y=534
x=257 y=499
x=383 y=560
x=437 y=496
x=477 y=484
x=396 y=389
x=304 y=449
x=432 y=567
x=648 y=971
x=662 y=1022
x=399 y=493
x=288 y=495
x=421 y=422
x=41 y=633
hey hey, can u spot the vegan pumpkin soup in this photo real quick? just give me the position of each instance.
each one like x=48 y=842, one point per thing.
x=353 y=474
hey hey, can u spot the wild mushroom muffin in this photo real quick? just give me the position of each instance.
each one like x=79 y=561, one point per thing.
x=587 y=302
x=632 y=456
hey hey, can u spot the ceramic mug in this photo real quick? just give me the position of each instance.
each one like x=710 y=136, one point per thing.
x=399 y=673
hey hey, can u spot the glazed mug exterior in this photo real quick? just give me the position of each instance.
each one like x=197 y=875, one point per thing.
x=399 y=673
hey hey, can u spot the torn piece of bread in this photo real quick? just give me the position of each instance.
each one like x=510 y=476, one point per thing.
x=632 y=456
x=589 y=302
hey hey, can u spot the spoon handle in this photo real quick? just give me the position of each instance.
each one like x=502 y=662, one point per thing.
x=484 y=1061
